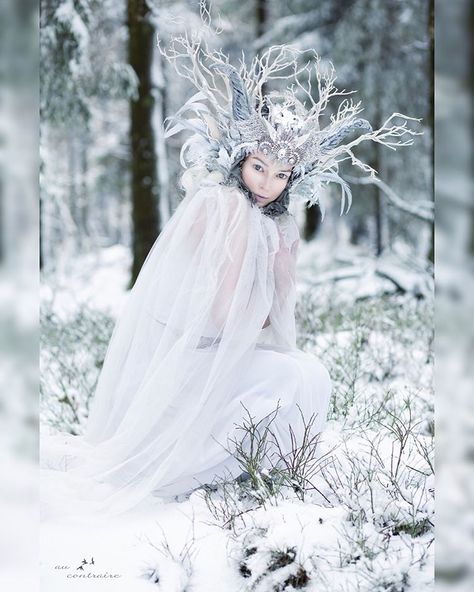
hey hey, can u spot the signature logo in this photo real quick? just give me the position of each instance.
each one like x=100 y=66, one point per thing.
x=85 y=569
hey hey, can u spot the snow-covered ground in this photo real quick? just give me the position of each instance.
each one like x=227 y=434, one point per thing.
x=363 y=519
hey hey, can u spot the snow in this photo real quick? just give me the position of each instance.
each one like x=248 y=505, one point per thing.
x=368 y=522
x=66 y=14
x=99 y=280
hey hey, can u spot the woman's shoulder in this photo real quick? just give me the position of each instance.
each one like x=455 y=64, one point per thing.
x=208 y=191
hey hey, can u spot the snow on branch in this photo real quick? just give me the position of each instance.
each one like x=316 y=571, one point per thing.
x=423 y=210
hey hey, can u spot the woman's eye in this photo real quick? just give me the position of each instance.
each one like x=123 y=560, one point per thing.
x=257 y=167
x=282 y=176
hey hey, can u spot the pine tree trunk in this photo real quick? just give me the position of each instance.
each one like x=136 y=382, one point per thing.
x=41 y=229
x=430 y=117
x=262 y=17
x=378 y=209
x=166 y=207
x=73 y=196
x=3 y=224
x=84 y=191
x=470 y=85
x=145 y=213
x=312 y=222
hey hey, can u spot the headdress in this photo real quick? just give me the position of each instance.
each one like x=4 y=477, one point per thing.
x=232 y=116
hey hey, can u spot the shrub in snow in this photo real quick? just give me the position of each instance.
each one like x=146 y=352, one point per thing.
x=385 y=564
x=251 y=447
x=228 y=502
x=169 y=575
x=169 y=569
x=72 y=353
x=299 y=466
x=286 y=547
x=386 y=477
x=370 y=346
x=269 y=472
x=270 y=568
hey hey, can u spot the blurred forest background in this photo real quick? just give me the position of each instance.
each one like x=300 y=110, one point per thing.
x=109 y=182
x=383 y=48
x=108 y=176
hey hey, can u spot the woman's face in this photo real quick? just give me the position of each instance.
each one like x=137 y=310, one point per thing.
x=264 y=177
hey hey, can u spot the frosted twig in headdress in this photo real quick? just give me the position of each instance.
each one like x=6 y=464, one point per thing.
x=231 y=117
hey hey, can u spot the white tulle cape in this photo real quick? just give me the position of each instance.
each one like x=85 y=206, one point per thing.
x=188 y=352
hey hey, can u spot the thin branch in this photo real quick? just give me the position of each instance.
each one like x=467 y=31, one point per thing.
x=422 y=212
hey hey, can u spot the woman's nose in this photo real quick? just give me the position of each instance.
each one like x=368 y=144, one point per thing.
x=264 y=182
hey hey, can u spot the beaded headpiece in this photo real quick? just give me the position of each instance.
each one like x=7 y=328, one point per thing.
x=232 y=115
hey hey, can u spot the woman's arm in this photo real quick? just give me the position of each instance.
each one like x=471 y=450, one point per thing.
x=231 y=236
x=285 y=269
x=285 y=278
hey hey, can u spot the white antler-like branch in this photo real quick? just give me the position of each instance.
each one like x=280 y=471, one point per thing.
x=188 y=57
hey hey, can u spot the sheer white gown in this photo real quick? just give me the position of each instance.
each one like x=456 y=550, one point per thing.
x=188 y=354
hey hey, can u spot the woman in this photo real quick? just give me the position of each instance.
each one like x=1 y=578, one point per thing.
x=208 y=332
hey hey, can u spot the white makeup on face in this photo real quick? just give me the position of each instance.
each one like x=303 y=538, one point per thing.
x=264 y=177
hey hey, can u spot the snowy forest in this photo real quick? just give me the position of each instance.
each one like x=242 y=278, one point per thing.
x=94 y=106
x=353 y=509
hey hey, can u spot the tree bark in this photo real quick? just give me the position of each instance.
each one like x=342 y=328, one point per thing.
x=431 y=117
x=84 y=189
x=312 y=222
x=262 y=17
x=470 y=84
x=378 y=209
x=145 y=213
x=3 y=224
x=72 y=193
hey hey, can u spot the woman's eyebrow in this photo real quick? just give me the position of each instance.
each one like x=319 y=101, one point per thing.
x=265 y=164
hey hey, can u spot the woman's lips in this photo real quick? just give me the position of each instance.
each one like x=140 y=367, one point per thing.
x=261 y=196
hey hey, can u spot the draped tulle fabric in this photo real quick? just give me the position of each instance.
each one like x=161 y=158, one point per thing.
x=189 y=352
